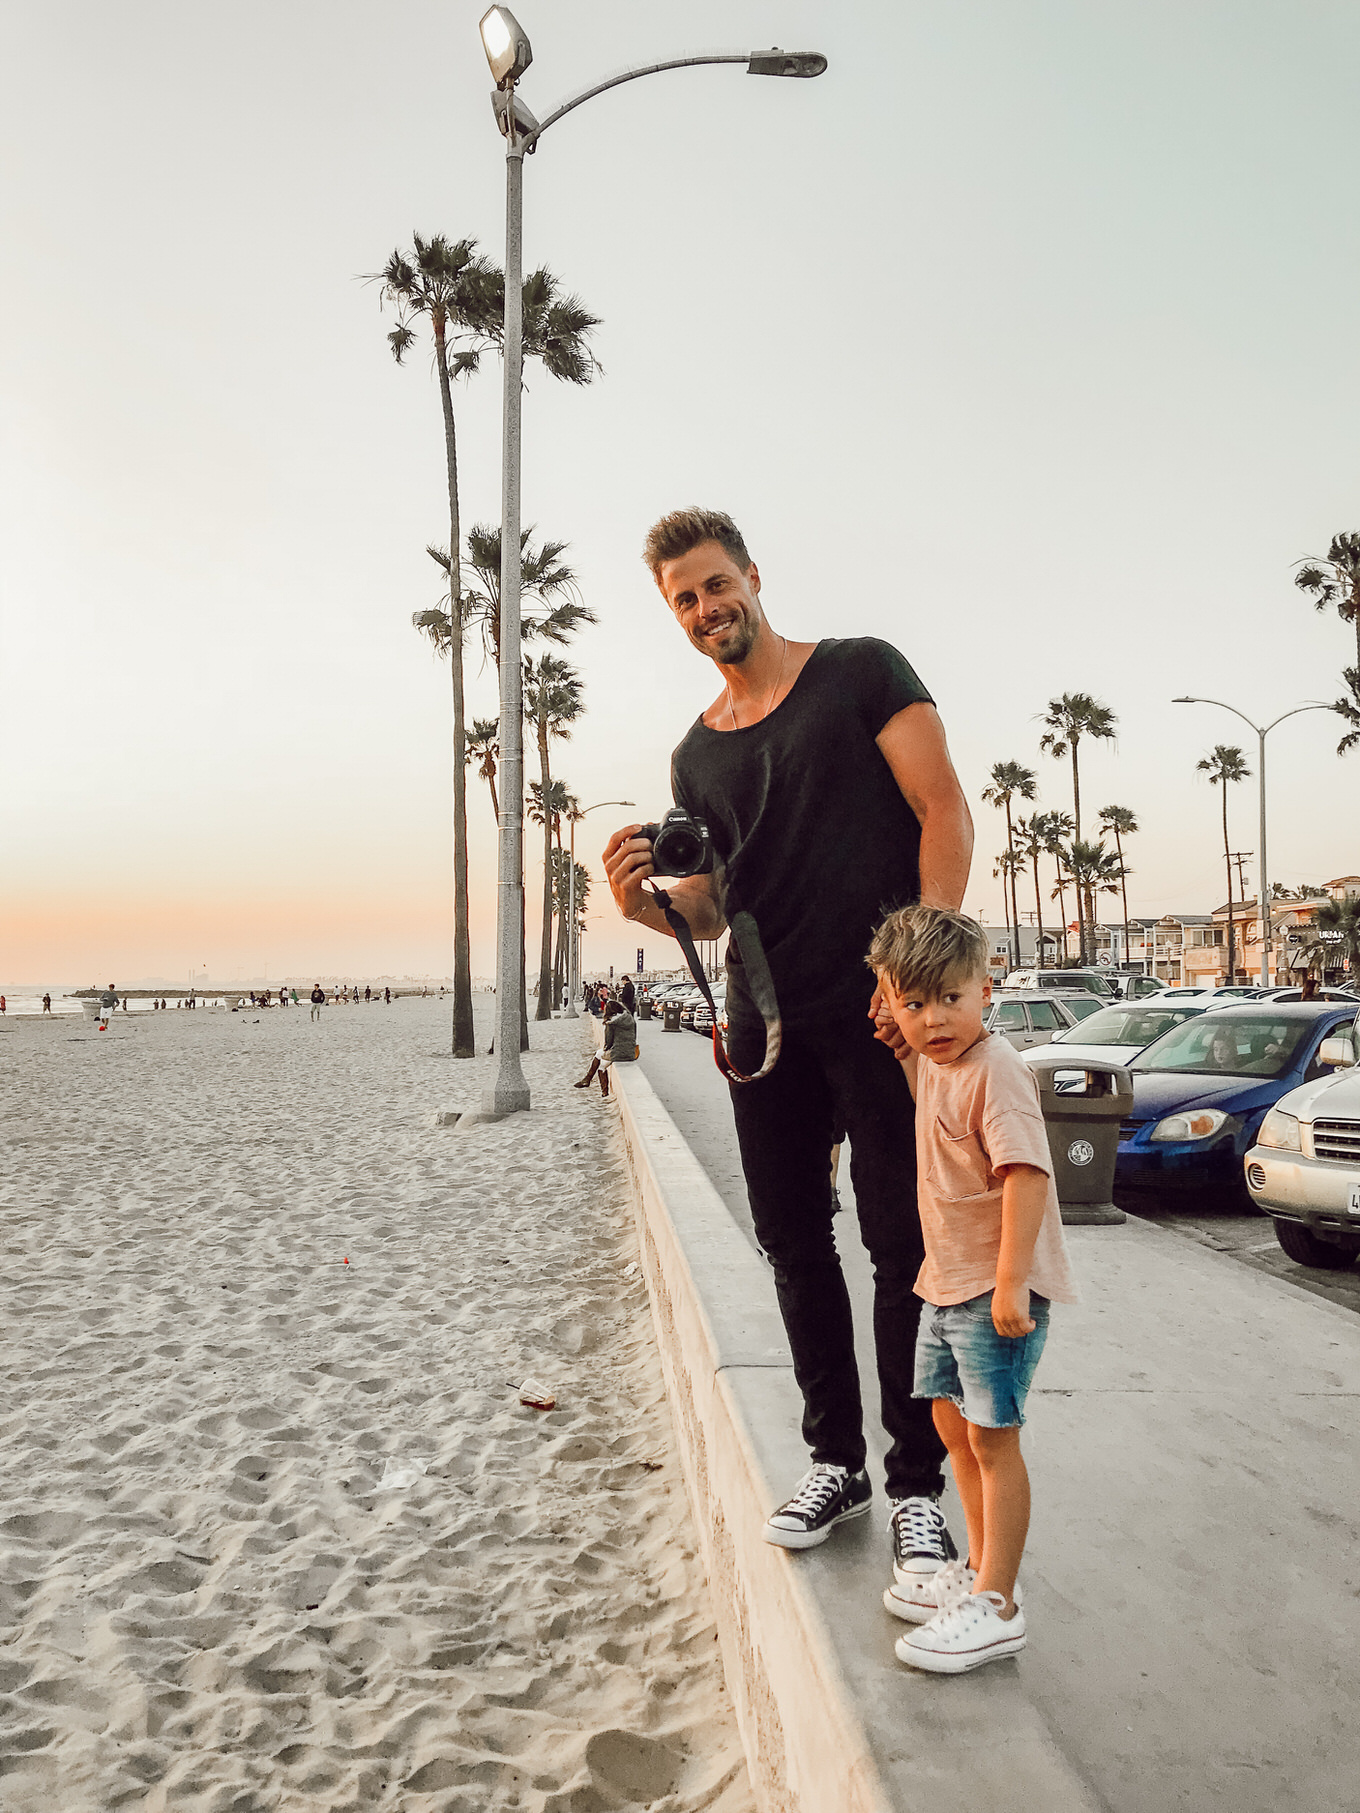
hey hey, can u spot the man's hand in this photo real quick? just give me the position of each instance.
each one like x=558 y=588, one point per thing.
x=886 y=1029
x=627 y=864
x=1010 y=1310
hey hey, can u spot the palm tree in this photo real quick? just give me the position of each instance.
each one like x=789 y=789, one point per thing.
x=1225 y=766
x=1055 y=826
x=550 y=597
x=1030 y=843
x=1336 y=581
x=1342 y=919
x=1070 y=718
x=562 y=896
x=1094 y=870
x=559 y=803
x=484 y=748
x=1005 y=866
x=1349 y=709
x=1121 y=823
x=552 y=700
x=449 y=285
x=1010 y=781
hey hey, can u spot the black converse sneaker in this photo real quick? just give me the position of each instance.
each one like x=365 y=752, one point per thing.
x=921 y=1543
x=826 y=1496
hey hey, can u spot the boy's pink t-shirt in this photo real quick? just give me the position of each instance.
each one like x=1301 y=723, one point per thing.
x=979 y=1112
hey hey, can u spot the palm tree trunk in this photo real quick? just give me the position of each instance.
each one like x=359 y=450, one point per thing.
x=544 y=1008
x=1076 y=838
x=1006 y=913
x=1227 y=861
x=1015 y=910
x=1038 y=912
x=1062 y=903
x=495 y=802
x=464 y=1042
x=1123 y=889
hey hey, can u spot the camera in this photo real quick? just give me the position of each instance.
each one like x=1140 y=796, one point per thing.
x=680 y=844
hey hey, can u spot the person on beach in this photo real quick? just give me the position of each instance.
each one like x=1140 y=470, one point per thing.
x=108 y=1002
x=994 y=1261
x=47 y=1004
x=318 y=1000
x=822 y=774
x=620 y=1046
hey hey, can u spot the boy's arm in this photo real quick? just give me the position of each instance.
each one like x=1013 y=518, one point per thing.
x=1024 y=1197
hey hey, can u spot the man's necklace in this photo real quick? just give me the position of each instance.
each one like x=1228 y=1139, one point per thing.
x=769 y=703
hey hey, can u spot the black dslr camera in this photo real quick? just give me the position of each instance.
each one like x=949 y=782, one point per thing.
x=680 y=844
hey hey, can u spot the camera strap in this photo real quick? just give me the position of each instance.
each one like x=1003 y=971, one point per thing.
x=758 y=980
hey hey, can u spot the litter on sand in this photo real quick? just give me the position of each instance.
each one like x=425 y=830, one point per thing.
x=398 y=1474
x=630 y=1270
x=536 y=1396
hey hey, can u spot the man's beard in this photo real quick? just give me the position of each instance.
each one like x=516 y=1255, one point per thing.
x=736 y=643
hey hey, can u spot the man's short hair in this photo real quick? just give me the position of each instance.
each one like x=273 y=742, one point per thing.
x=684 y=530
x=921 y=950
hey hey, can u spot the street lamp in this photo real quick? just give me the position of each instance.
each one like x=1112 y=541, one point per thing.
x=1262 y=732
x=573 y=955
x=509 y=54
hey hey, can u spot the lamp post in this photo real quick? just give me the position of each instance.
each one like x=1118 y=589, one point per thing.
x=509 y=54
x=1262 y=732
x=573 y=980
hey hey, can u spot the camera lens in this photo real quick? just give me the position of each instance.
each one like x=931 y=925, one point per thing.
x=679 y=851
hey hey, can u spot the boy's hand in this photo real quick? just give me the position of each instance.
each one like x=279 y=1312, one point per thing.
x=1010 y=1310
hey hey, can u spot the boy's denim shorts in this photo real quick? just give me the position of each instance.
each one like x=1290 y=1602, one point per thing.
x=960 y=1356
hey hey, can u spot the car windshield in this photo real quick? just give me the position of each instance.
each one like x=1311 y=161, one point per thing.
x=1245 y=1045
x=1127 y=1025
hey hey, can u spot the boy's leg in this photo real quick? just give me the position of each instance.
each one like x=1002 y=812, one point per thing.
x=1005 y=1509
x=955 y=1433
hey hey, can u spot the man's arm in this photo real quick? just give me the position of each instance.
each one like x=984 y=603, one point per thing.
x=628 y=863
x=913 y=745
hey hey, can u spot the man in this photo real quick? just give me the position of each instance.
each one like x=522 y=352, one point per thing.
x=108 y=1003
x=822 y=773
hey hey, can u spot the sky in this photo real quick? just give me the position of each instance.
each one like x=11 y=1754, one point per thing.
x=1023 y=338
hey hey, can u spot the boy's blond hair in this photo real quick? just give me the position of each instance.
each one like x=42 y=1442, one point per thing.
x=920 y=950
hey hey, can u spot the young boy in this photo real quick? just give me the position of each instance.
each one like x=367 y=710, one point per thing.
x=994 y=1260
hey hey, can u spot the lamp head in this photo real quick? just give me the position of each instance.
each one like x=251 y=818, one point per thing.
x=506 y=44
x=776 y=62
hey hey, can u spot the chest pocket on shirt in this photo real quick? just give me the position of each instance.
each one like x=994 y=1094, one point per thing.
x=958 y=1164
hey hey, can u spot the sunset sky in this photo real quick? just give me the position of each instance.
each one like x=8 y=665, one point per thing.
x=1024 y=338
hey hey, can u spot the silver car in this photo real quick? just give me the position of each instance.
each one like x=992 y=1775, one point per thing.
x=1028 y=1018
x=1304 y=1170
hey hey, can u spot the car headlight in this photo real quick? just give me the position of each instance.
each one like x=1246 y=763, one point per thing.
x=1201 y=1124
x=1280 y=1129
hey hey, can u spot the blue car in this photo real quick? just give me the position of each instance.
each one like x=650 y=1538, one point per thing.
x=1200 y=1093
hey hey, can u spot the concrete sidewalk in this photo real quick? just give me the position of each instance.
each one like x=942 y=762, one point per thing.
x=1192 y=1577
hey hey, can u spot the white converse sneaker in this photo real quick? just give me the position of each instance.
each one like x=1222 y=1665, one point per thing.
x=963 y=1636
x=919 y=1604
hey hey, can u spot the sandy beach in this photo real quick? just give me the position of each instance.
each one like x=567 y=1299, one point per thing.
x=208 y=1598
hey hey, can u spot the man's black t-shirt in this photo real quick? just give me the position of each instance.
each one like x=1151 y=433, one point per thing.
x=811 y=830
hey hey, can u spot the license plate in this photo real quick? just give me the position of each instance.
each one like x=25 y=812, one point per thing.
x=1354 y=1204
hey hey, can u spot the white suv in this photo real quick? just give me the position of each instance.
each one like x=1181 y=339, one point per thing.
x=1304 y=1170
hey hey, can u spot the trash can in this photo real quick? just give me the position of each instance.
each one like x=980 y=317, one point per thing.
x=671 y=1010
x=645 y=1008
x=1083 y=1105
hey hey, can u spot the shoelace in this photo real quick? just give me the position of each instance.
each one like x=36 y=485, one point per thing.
x=965 y=1610
x=816 y=1489
x=953 y=1582
x=917 y=1526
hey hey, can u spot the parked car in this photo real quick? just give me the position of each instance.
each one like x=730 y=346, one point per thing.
x=1202 y=1090
x=1116 y=1034
x=1094 y=981
x=1228 y=991
x=702 y=1021
x=1296 y=994
x=1081 y=1006
x=1304 y=1170
x=1134 y=988
x=1028 y=1019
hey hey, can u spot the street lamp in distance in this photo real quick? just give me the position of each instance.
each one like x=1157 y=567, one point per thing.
x=1262 y=732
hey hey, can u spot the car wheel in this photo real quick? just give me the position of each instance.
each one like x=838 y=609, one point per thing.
x=1305 y=1248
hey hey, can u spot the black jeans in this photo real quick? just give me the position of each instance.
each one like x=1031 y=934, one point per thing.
x=839 y=1075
